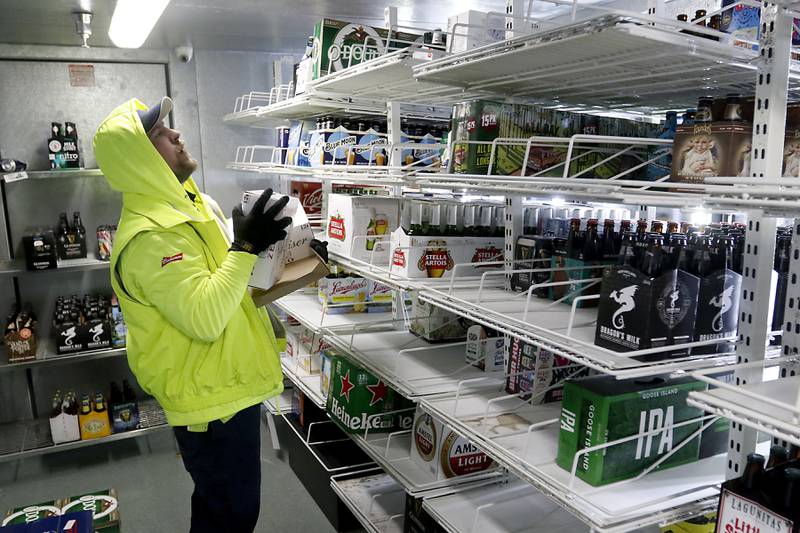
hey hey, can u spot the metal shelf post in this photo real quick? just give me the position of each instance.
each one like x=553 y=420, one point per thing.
x=767 y=157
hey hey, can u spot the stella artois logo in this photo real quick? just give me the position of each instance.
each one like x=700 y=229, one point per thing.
x=399 y=258
x=436 y=260
x=489 y=253
x=336 y=228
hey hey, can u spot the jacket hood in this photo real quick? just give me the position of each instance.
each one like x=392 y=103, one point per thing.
x=133 y=167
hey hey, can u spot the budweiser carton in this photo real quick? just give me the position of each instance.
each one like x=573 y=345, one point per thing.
x=358 y=226
x=294 y=247
x=441 y=452
x=436 y=256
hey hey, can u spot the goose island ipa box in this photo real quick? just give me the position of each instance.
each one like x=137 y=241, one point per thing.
x=356 y=396
x=601 y=409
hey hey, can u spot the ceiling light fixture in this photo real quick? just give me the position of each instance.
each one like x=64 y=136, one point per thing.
x=133 y=20
x=83 y=25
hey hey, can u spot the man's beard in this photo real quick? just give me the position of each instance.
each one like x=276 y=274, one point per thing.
x=184 y=171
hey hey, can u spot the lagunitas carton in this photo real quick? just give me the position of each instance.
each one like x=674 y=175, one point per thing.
x=339 y=44
x=295 y=247
x=441 y=452
x=538 y=374
x=340 y=295
x=356 y=395
x=310 y=195
x=637 y=312
x=359 y=226
x=601 y=409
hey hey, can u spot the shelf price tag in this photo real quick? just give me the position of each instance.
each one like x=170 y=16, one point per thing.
x=15 y=176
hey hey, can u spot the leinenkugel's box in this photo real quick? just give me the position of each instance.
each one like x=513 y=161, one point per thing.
x=436 y=256
x=637 y=312
x=441 y=452
x=289 y=263
x=602 y=409
x=358 y=226
x=357 y=400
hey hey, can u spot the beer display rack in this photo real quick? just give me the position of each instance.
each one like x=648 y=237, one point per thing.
x=412 y=366
x=47 y=356
x=375 y=499
x=59 y=174
x=16 y=267
x=305 y=307
x=500 y=508
x=26 y=439
x=280 y=403
x=308 y=384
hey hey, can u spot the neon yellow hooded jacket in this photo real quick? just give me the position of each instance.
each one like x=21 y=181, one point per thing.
x=196 y=340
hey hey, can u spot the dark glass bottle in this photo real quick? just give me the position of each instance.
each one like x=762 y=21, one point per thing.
x=701 y=258
x=574 y=242
x=704 y=110
x=677 y=252
x=653 y=259
x=591 y=242
x=627 y=251
x=609 y=247
x=722 y=257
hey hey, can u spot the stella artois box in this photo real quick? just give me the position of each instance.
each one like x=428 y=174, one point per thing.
x=359 y=226
x=295 y=247
x=343 y=295
x=357 y=400
x=441 y=452
x=103 y=504
x=601 y=409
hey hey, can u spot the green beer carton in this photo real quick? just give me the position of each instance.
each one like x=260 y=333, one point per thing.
x=356 y=395
x=602 y=409
x=31 y=513
x=103 y=503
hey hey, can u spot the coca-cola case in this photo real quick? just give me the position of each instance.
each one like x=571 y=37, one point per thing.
x=637 y=312
x=717 y=310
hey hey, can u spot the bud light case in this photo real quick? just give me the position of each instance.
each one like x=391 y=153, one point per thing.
x=602 y=409
x=637 y=312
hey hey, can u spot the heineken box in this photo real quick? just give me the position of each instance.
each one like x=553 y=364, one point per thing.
x=443 y=453
x=32 y=513
x=638 y=312
x=103 y=504
x=339 y=44
x=717 y=310
x=356 y=395
x=526 y=251
x=359 y=226
x=435 y=324
x=601 y=409
x=436 y=256
x=537 y=373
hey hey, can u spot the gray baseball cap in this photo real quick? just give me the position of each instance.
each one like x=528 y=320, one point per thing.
x=160 y=111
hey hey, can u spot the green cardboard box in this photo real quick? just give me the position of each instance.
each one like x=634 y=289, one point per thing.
x=103 y=503
x=356 y=395
x=31 y=513
x=602 y=409
x=339 y=44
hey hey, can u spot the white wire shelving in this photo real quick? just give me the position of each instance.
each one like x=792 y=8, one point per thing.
x=282 y=403
x=307 y=382
x=306 y=308
x=375 y=499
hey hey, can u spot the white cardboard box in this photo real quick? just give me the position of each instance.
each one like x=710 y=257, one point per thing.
x=441 y=452
x=296 y=245
x=359 y=226
x=484 y=352
x=65 y=428
x=482 y=29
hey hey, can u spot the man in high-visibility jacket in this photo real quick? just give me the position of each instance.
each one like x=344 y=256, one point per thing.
x=196 y=340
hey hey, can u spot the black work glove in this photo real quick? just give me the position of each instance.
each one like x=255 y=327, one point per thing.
x=258 y=230
x=321 y=247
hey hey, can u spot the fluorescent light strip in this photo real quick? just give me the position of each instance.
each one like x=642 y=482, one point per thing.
x=133 y=20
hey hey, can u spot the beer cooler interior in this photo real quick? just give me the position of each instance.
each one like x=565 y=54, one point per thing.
x=561 y=287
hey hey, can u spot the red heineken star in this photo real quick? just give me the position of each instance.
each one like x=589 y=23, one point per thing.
x=378 y=391
x=346 y=386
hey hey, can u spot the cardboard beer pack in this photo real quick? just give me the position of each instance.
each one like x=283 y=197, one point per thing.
x=717 y=310
x=93 y=335
x=290 y=263
x=637 y=312
x=104 y=505
x=339 y=44
x=359 y=226
x=527 y=251
x=75 y=522
x=436 y=256
x=441 y=452
x=485 y=348
x=356 y=396
x=335 y=146
x=370 y=149
x=537 y=373
x=474 y=121
x=703 y=150
x=435 y=324
x=299 y=150
x=342 y=295
x=310 y=195
x=29 y=514
x=472 y=29
x=601 y=409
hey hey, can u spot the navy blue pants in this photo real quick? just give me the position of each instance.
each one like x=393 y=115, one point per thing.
x=225 y=465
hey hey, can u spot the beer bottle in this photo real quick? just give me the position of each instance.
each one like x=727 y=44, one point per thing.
x=609 y=246
x=531 y=225
x=701 y=258
x=86 y=405
x=781 y=265
x=791 y=496
x=733 y=108
x=627 y=252
x=574 y=241
x=128 y=394
x=591 y=242
x=451 y=225
x=405 y=215
x=70 y=132
x=56 y=407
x=435 y=225
x=685 y=227
x=426 y=217
x=704 y=106
x=657 y=227
x=750 y=480
x=624 y=227
x=641 y=239
x=672 y=227
x=72 y=409
x=486 y=217
x=99 y=402
x=653 y=255
x=416 y=228
x=469 y=221
x=723 y=253
x=677 y=252
x=78 y=225
x=499 y=221
x=55 y=131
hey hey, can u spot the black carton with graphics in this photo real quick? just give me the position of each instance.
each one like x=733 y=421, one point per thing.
x=717 y=310
x=527 y=251
x=82 y=337
x=638 y=312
